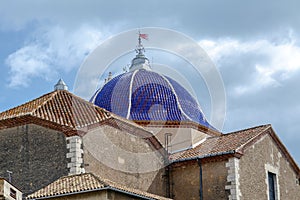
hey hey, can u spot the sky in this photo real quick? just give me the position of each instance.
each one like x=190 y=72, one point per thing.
x=255 y=45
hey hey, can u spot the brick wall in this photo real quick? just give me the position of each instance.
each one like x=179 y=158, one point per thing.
x=35 y=155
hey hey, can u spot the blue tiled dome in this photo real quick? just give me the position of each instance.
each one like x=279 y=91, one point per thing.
x=144 y=95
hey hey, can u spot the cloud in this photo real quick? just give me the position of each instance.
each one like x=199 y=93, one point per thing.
x=207 y=17
x=274 y=62
x=261 y=77
x=28 y=62
x=50 y=51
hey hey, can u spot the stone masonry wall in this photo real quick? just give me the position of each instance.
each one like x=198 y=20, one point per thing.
x=262 y=157
x=35 y=155
x=214 y=180
x=186 y=180
x=124 y=158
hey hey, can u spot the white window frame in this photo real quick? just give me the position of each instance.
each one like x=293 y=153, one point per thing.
x=274 y=170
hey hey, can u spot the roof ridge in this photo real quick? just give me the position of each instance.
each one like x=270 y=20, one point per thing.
x=57 y=107
x=54 y=93
x=81 y=100
x=87 y=102
x=250 y=128
x=99 y=179
x=250 y=140
x=28 y=102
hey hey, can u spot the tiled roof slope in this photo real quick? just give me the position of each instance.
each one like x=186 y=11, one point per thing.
x=220 y=145
x=59 y=107
x=86 y=182
x=63 y=111
x=233 y=143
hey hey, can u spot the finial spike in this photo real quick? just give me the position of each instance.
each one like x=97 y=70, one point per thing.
x=60 y=85
x=140 y=48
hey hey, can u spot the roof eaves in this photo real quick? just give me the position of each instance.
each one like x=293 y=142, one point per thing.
x=130 y=193
x=188 y=124
x=204 y=156
x=285 y=152
x=114 y=187
x=39 y=197
x=92 y=190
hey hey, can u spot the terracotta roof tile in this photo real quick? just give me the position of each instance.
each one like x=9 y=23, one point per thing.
x=218 y=145
x=60 y=107
x=63 y=111
x=84 y=183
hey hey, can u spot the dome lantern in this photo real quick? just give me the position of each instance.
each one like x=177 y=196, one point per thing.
x=140 y=61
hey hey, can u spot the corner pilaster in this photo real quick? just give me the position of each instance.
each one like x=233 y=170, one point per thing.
x=75 y=154
x=233 y=179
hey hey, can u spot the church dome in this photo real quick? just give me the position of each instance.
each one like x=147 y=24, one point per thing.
x=144 y=95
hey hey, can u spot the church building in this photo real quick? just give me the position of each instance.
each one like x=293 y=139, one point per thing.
x=142 y=135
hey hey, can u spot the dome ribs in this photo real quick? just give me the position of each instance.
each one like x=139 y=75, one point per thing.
x=154 y=97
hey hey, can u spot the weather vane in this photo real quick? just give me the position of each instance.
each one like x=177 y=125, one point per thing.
x=140 y=48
